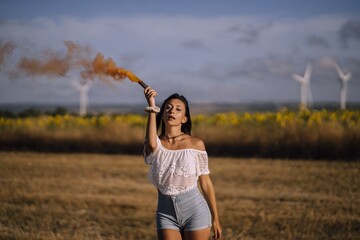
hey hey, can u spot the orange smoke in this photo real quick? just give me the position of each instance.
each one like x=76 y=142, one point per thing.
x=77 y=57
x=101 y=68
x=5 y=50
x=51 y=63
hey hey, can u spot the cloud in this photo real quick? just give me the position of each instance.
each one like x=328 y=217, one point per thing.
x=353 y=66
x=350 y=30
x=354 y=62
x=193 y=44
x=247 y=33
x=316 y=41
x=325 y=72
x=242 y=50
x=261 y=69
x=130 y=59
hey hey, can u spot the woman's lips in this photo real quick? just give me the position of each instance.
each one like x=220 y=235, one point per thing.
x=170 y=118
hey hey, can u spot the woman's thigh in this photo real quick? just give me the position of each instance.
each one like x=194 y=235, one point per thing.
x=202 y=234
x=169 y=234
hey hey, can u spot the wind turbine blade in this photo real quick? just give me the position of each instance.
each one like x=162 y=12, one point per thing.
x=347 y=77
x=339 y=71
x=308 y=71
x=298 y=78
x=86 y=86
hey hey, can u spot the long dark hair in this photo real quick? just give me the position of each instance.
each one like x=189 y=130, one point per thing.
x=185 y=127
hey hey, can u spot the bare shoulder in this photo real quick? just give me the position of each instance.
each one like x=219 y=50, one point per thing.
x=197 y=143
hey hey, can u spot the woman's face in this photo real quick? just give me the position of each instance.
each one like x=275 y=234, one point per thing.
x=174 y=113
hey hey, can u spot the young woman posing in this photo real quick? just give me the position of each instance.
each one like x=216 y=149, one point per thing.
x=178 y=162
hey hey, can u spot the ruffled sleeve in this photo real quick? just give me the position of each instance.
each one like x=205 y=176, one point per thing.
x=149 y=157
x=202 y=166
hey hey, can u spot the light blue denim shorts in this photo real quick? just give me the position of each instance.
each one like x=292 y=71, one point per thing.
x=184 y=212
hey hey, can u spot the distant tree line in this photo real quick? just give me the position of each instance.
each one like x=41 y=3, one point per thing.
x=33 y=112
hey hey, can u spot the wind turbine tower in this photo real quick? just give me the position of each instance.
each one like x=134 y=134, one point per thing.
x=344 y=78
x=305 y=90
x=83 y=89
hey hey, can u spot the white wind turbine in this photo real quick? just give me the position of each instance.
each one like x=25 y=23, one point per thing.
x=83 y=89
x=305 y=90
x=344 y=78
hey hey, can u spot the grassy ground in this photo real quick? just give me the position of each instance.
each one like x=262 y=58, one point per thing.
x=88 y=196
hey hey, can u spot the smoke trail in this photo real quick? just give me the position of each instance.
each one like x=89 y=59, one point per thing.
x=51 y=63
x=77 y=58
x=6 y=49
x=102 y=68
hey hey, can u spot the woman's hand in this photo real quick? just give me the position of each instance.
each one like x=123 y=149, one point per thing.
x=150 y=95
x=217 y=231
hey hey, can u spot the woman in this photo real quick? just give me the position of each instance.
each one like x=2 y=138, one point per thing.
x=178 y=162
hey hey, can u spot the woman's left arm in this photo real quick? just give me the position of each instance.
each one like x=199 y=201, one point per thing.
x=209 y=194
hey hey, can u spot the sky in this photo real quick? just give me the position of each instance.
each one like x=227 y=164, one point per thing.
x=207 y=50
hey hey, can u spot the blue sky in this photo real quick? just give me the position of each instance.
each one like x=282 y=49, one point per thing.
x=210 y=51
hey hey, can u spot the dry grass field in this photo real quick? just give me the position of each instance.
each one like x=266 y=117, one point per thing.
x=89 y=196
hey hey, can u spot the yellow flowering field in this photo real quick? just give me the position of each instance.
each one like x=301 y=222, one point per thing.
x=285 y=133
x=281 y=118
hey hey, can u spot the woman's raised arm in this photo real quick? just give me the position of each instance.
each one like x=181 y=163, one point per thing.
x=151 y=130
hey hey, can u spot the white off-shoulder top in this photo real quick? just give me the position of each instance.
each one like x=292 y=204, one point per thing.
x=175 y=172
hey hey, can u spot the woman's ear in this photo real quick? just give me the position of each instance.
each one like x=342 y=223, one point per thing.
x=184 y=120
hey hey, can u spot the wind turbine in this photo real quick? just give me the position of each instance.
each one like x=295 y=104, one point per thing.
x=344 y=78
x=305 y=90
x=83 y=88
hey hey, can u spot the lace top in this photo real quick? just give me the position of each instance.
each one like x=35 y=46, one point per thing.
x=176 y=171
